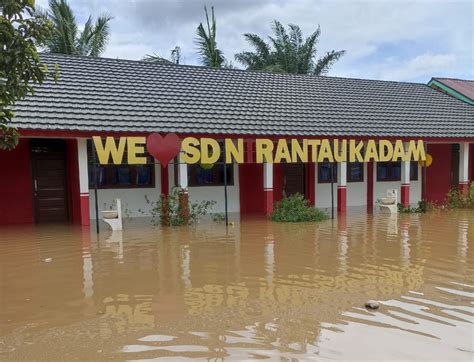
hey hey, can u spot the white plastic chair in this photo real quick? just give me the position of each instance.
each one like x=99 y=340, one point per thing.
x=114 y=217
x=389 y=203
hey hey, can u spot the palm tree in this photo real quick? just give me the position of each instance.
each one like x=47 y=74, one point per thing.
x=67 y=39
x=175 y=57
x=211 y=56
x=287 y=52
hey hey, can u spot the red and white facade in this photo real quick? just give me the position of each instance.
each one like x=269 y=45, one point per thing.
x=255 y=187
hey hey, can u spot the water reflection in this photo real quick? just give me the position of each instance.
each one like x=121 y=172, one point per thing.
x=255 y=290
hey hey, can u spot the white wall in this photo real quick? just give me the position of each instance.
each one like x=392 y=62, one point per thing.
x=357 y=191
x=380 y=188
x=132 y=199
x=216 y=193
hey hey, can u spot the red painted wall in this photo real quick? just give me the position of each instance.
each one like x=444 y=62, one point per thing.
x=277 y=182
x=310 y=183
x=471 y=162
x=74 y=196
x=16 y=197
x=438 y=181
x=251 y=188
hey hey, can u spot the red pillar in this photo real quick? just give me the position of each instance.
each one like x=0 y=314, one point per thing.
x=341 y=199
x=310 y=183
x=370 y=186
x=164 y=180
x=268 y=201
x=85 y=215
x=405 y=195
x=464 y=187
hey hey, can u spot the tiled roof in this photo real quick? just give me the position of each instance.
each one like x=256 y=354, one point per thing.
x=97 y=94
x=462 y=86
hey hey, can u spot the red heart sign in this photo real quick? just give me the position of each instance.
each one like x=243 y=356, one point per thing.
x=164 y=149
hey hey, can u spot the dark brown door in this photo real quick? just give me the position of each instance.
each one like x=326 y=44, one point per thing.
x=48 y=164
x=455 y=165
x=293 y=178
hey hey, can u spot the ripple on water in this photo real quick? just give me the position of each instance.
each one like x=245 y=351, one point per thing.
x=255 y=290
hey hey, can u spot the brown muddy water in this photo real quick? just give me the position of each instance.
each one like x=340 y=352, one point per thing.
x=257 y=290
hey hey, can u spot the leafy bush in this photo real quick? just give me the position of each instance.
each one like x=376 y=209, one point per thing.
x=422 y=207
x=218 y=217
x=456 y=199
x=296 y=208
x=171 y=210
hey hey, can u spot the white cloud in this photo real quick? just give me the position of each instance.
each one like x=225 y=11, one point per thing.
x=424 y=65
x=384 y=38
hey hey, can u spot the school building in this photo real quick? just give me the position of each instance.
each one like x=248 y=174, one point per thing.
x=49 y=176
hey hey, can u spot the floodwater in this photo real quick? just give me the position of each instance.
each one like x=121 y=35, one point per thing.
x=259 y=290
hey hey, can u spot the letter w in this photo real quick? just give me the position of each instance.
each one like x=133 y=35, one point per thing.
x=103 y=153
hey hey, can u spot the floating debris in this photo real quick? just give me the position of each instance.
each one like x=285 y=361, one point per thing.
x=372 y=304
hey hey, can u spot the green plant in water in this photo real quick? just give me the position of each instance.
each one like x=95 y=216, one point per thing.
x=173 y=210
x=422 y=207
x=218 y=217
x=296 y=208
x=456 y=199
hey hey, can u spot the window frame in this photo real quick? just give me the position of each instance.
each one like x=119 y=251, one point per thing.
x=349 y=174
x=192 y=180
x=414 y=171
x=109 y=169
x=334 y=175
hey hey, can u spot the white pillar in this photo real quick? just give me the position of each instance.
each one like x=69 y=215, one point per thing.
x=342 y=174
x=341 y=187
x=405 y=179
x=268 y=176
x=268 y=187
x=182 y=172
x=463 y=163
x=83 y=181
x=83 y=167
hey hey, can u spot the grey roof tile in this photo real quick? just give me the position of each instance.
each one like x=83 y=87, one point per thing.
x=97 y=94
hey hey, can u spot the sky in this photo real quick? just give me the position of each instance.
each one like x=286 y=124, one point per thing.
x=384 y=39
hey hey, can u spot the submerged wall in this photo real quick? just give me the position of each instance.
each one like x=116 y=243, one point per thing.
x=16 y=194
x=133 y=200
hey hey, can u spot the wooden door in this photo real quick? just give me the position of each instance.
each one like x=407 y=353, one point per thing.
x=48 y=165
x=294 y=178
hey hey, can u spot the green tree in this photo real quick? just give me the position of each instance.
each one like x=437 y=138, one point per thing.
x=175 y=57
x=206 y=43
x=287 y=52
x=67 y=39
x=21 y=32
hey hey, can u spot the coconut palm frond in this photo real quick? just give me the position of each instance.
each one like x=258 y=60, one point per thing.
x=287 y=51
x=326 y=62
x=211 y=55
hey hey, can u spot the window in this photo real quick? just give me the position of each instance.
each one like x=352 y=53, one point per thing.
x=324 y=172
x=121 y=176
x=210 y=175
x=392 y=171
x=413 y=171
x=389 y=171
x=355 y=172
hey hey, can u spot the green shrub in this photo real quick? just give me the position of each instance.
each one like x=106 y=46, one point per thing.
x=170 y=210
x=422 y=207
x=296 y=208
x=218 y=217
x=455 y=199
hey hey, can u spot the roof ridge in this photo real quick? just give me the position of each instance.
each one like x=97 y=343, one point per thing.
x=202 y=67
x=462 y=80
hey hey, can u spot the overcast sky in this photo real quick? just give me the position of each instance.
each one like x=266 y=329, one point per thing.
x=391 y=40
